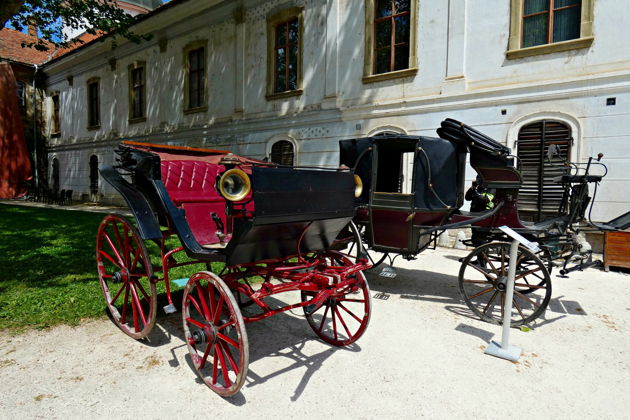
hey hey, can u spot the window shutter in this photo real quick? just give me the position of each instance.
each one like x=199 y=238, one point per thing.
x=544 y=148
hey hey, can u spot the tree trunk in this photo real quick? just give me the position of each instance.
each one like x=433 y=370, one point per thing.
x=9 y=8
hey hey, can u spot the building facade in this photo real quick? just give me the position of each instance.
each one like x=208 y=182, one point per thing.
x=287 y=79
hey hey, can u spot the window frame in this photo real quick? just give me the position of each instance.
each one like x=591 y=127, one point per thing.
x=273 y=21
x=55 y=120
x=137 y=65
x=515 y=49
x=193 y=46
x=92 y=123
x=369 y=46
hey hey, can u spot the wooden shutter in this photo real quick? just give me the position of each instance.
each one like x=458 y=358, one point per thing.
x=544 y=148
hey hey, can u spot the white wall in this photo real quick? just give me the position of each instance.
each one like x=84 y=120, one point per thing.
x=571 y=86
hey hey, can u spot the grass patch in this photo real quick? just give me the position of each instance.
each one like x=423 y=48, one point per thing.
x=48 y=269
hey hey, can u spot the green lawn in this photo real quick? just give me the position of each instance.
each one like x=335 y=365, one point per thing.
x=48 y=270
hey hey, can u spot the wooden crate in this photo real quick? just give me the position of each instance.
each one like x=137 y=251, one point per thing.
x=617 y=249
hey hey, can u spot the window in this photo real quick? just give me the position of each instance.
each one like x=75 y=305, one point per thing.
x=93 y=175
x=56 y=121
x=282 y=153
x=93 y=102
x=390 y=39
x=546 y=26
x=137 y=92
x=55 y=174
x=284 y=54
x=195 y=80
x=21 y=93
x=544 y=149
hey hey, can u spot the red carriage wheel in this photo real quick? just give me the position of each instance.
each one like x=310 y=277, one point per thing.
x=342 y=318
x=215 y=333
x=126 y=276
x=483 y=277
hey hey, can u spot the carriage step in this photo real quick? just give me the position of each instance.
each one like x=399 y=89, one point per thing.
x=170 y=309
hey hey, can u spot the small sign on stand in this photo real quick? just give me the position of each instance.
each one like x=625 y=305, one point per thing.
x=505 y=350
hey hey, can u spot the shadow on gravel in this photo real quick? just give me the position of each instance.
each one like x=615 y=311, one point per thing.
x=284 y=335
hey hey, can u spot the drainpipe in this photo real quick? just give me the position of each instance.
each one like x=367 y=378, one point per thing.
x=35 y=128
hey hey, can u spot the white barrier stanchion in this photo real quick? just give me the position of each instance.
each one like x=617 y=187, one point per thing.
x=505 y=350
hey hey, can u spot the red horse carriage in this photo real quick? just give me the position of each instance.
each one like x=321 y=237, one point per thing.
x=273 y=228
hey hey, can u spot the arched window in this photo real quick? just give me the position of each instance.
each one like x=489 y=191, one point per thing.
x=544 y=148
x=282 y=153
x=55 y=174
x=93 y=174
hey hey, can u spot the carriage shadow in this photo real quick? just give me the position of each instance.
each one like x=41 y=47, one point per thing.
x=443 y=288
x=286 y=335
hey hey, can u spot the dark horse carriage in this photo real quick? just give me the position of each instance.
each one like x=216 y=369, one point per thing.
x=414 y=189
x=273 y=228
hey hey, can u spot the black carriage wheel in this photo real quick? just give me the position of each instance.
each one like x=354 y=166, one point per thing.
x=215 y=333
x=126 y=276
x=482 y=280
x=344 y=317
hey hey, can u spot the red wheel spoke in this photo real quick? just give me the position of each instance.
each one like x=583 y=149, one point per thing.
x=334 y=322
x=228 y=355
x=352 y=300
x=218 y=310
x=111 y=245
x=117 y=294
x=127 y=245
x=119 y=239
x=195 y=322
x=134 y=310
x=136 y=300
x=321 y=325
x=106 y=255
x=477 y=281
x=107 y=276
x=228 y=340
x=350 y=313
x=204 y=304
x=135 y=259
x=215 y=367
x=123 y=317
x=345 y=327
x=192 y=300
x=224 y=367
x=227 y=324
x=204 y=358
x=213 y=301
x=483 y=292
x=146 y=295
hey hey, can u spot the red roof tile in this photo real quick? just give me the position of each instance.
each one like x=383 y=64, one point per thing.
x=11 y=48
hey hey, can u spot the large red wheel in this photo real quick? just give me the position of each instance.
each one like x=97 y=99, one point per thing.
x=126 y=276
x=215 y=333
x=341 y=319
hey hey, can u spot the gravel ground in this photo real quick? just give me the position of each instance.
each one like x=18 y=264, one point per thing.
x=422 y=356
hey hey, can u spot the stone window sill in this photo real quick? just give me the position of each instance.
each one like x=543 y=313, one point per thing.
x=137 y=120
x=572 y=44
x=94 y=127
x=285 y=94
x=195 y=110
x=391 y=75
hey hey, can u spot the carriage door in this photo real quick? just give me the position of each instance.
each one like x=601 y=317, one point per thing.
x=391 y=202
x=544 y=148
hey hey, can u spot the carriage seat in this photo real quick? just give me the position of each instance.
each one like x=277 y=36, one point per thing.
x=191 y=185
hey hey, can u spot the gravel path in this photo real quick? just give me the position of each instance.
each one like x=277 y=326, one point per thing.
x=422 y=356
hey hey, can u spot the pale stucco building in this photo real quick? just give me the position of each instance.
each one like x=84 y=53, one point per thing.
x=245 y=75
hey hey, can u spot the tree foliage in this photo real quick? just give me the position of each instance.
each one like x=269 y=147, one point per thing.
x=50 y=16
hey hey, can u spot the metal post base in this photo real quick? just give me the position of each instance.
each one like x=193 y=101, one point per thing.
x=512 y=353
